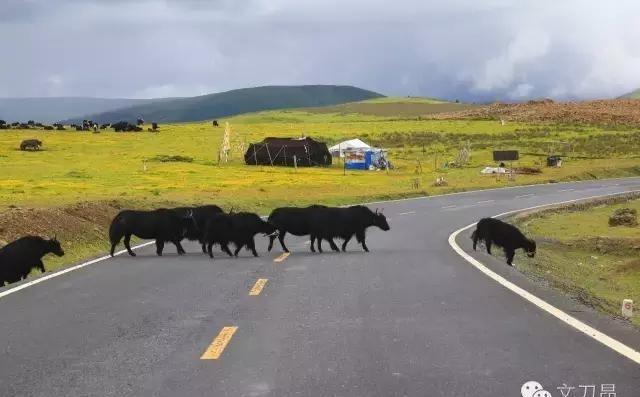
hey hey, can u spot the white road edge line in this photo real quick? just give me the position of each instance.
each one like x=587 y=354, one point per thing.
x=485 y=201
x=67 y=270
x=407 y=213
x=606 y=340
x=566 y=190
x=448 y=206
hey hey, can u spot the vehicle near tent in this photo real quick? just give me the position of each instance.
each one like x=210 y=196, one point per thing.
x=300 y=152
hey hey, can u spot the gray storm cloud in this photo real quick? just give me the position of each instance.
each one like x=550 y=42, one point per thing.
x=472 y=50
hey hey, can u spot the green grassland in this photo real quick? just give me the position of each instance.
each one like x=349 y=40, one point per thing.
x=78 y=166
x=126 y=169
x=579 y=253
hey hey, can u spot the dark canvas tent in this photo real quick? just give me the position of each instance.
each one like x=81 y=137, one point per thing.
x=281 y=151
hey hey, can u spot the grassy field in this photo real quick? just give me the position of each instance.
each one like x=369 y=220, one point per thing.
x=127 y=169
x=579 y=253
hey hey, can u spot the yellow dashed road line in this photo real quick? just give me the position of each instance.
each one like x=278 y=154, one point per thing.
x=282 y=257
x=258 y=286
x=218 y=345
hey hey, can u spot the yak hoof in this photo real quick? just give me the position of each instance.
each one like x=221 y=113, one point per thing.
x=132 y=253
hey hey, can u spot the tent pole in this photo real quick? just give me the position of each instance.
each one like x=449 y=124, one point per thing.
x=269 y=153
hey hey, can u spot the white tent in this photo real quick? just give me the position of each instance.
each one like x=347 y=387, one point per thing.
x=351 y=144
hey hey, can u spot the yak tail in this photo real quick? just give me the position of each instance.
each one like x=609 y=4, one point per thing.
x=474 y=234
x=115 y=229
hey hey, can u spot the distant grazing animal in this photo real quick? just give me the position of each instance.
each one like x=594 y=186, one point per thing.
x=25 y=126
x=120 y=126
x=104 y=126
x=509 y=237
x=162 y=225
x=15 y=124
x=30 y=144
x=39 y=125
x=344 y=223
x=48 y=127
x=79 y=128
x=154 y=126
x=238 y=228
x=2 y=122
x=215 y=123
x=60 y=128
x=18 y=258
x=200 y=214
x=31 y=122
x=140 y=121
x=291 y=220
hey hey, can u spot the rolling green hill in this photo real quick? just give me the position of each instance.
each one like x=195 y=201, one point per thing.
x=234 y=102
x=635 y=94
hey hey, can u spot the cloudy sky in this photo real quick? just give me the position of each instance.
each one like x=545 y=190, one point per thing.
x=473 y=50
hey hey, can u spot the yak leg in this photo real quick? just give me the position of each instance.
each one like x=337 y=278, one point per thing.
x=281 y=239
x=319 y=244
x=127 y=239
x=313 y=240
x=181 y=250
x=225 y=248
x=360 y=236
x=333 y=245
x=159 y=247
x=475 y=240
x=510 y=254
x=344 y=244
x=271 y=239
x=40 y=266
x=210 y=250
x=487 y=242
x=252 y=246
x=204 y=247
x=238 y=248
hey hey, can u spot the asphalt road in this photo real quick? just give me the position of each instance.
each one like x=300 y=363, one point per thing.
x=410 y=318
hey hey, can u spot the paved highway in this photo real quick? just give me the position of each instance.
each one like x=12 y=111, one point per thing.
x=411 y=318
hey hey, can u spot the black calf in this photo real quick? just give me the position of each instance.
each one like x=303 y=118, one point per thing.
x=494 y=231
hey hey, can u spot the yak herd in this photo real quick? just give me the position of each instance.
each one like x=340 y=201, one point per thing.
x=209 y=225
x=86 y=125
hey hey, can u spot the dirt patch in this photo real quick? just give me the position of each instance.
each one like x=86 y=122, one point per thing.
x=601 y=112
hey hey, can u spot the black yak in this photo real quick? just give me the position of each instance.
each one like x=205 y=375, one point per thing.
x=239 y=229
x=104 y=126
x=200 y=214
x=291 y=220
x=48 y=127
x=494 y=231
x=162 y=225
x=30 y=144
x=344 y=223
x=18 y=258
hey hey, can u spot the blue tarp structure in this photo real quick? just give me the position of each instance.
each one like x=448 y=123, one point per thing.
x=364 y=159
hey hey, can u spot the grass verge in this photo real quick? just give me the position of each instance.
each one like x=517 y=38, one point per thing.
x=581 y=255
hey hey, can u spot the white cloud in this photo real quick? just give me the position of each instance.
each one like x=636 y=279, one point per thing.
x=476 y=50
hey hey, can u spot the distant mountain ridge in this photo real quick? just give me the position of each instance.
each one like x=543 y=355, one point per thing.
x=233 y=102
x=48 y=110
